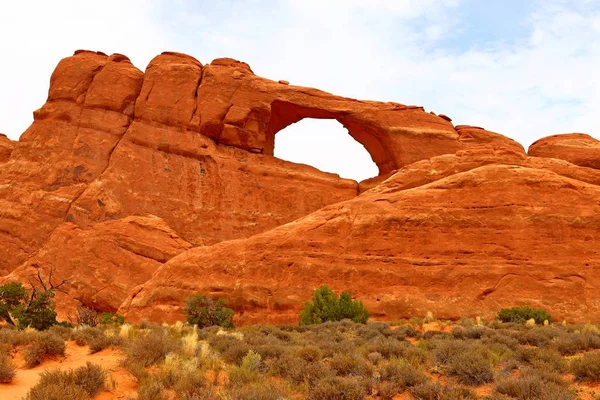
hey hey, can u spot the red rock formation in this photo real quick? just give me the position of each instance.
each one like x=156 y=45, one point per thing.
x=6 y=147
x=103 y=263
x=458 y=235
x=123 y=172
x=577 y=148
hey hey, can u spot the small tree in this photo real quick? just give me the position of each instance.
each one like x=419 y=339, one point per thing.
x=326 y=306
x=34 y=309
x=203 y=311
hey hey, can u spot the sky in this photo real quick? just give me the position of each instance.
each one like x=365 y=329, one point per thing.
x=523 y=68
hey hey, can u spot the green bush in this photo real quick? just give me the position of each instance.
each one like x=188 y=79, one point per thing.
x=326 y=306
x=17 y=307
x=106 y=318
x=523 y=314
x=203 y=312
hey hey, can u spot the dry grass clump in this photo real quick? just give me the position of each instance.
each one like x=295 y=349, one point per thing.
x=7 y=368
x=151 y=348
x=45 y=345
x=82 y=383
x=401 y=375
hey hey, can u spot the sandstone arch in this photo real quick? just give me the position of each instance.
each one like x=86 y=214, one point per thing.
x=326 y=145
x=284 y=113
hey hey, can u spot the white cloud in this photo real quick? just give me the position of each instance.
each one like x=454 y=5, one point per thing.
x=541 y=81
x=37 y=34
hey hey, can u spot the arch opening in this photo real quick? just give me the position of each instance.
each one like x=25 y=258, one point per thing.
x=326 y=145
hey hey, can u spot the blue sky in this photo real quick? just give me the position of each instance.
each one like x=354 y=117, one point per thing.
x=525 y=69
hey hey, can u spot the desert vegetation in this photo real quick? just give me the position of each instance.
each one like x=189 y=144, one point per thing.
x=410 y=359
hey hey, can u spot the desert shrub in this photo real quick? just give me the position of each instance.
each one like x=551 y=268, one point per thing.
x=475 y=332
x=192 y=385
x=235 y=353
x=375 y=358
x=500 y=337
x=247 y=372
x=470 y=368
x=326 y=306
x=541 y=358
x=107 y=318
x=61 y=331
x=459 y=332
x=151 y=348
x=203 y=311
x=532 y=387
x=438 y=335
x=309 y=353
x=586 y=367
x=571 y=343
x=84 y=336
x=350 y=364
x=538 y=336
x=271 y=352
x=222 y=342
x=387 y=347
x=259 y=390
x=351 y=388
x=89 y=380
x=7 y=368
x=137 y=370
x=151 y=389
x=435 y=391
x=445 y=350
x=86 y=316
x=298 y=370
x=104 y=342
x=13 y=337
x=372 y=330
x=522 y=314
x=44 y=345
x=409 y=331
x=403 y=375
x=57 y=392
x=388 y=390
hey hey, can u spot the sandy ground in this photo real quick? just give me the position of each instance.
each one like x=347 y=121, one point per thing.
x=120 y=382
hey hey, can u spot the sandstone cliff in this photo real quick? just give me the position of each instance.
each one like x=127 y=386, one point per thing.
x=142 y=188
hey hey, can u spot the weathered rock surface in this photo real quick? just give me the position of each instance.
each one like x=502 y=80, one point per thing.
x=458 y=235
x=6 y=148
x=577 y=148
x=125 y=174
x=103 y=263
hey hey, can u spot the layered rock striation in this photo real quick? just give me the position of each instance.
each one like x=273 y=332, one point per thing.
x=143 y=188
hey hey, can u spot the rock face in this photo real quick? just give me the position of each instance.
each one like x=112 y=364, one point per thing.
x=142 y=188
x=577 y=148
x=458 y=235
